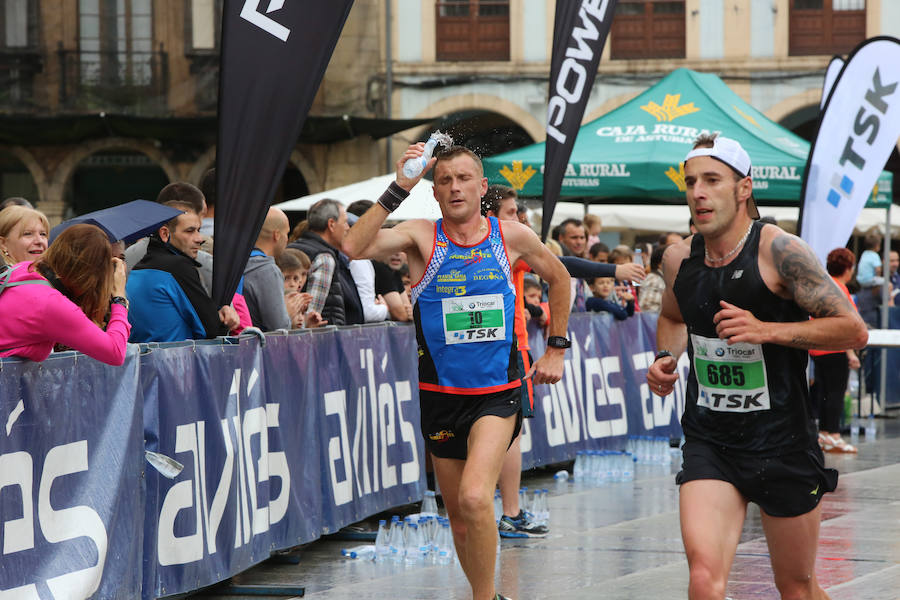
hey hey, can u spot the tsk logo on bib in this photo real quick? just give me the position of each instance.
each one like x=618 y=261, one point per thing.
x=474 y=319
x=730 y=378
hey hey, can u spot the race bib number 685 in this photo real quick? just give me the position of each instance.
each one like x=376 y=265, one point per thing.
x=730 y=378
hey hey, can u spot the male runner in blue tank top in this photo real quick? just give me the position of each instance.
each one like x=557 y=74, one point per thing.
x=738 y=296
x=463 y=309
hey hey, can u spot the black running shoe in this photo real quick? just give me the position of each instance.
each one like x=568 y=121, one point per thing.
x=521 y=526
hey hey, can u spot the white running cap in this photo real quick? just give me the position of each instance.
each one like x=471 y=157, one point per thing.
x=731 y=153
x=728 y=151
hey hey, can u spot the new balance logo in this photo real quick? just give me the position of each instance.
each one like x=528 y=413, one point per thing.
x=250 y=12
x=737 y=274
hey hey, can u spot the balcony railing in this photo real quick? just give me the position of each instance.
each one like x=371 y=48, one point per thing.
x=124 y=82
x=18 y=68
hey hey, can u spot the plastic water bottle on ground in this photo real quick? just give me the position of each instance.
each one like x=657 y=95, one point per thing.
x=429 y=504
x=870 y=428
x=382 y=548
x=395 y=540
x=578 y=470
x=413 y=544
x=627 y=467
x=365 y=552
x=445 y=544
x=414 y=166
x=854 y=430
x=523 y=498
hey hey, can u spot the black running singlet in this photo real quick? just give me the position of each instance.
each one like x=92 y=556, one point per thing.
x=744 y=397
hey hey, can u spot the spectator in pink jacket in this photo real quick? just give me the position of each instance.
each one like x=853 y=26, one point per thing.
x=64 y=297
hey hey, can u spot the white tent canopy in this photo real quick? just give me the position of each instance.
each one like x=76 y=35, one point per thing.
x=420 y=204
x=659 y=218
x=643 y=218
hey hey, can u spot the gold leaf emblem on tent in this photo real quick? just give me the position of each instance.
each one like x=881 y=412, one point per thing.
x=677 y=177
x=669 y=111
x=517 y=177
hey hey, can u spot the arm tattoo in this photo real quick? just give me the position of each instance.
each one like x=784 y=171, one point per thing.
x=803 y=275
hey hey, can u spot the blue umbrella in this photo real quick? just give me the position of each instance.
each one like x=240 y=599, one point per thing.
x=129 y=222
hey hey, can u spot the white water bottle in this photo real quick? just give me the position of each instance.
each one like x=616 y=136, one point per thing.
x=870 y=428
x=414 y=166
x=382 y=548
x=429 y=503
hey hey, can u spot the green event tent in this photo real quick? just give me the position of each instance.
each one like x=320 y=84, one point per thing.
x=636 y=150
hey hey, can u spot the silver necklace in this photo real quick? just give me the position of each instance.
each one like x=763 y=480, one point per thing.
x=733 y=250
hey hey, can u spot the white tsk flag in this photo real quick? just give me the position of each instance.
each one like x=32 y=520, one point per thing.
x=859 y=128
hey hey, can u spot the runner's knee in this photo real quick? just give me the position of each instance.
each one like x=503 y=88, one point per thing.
x=796 y=587
x=705 y=583
x=473 y=501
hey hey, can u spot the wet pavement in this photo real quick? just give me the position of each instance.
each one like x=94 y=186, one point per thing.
x=622 y=541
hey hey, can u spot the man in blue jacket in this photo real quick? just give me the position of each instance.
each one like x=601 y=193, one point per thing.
x=168 y=300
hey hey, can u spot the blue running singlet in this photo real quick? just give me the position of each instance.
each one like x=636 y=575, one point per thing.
x=464 y=309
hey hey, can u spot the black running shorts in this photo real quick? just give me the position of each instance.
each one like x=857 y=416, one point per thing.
x=447 y=418
x=786 y=485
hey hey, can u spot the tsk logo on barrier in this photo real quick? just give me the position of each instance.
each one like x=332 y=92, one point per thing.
x=240 y=434
x=250 y=12
x=378 y=409
x=669 y=110
x=56 y=525
x=866 y=121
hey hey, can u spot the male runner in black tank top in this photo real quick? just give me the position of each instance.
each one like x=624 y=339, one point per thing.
x=738 y=295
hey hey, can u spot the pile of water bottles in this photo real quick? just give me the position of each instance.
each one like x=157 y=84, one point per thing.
x=420 y=539
x=599 y=467
x=535 y=503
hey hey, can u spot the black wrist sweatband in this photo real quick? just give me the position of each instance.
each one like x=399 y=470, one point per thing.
x=663 y=354
x=392 y=197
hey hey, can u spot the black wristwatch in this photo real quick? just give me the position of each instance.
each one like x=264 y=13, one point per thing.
x=663 y=354
x=558 y=341
x=120 y=300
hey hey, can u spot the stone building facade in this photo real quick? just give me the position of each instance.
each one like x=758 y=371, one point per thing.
x=101 y=97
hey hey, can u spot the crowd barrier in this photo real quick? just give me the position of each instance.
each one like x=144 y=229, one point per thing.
x=280 y=442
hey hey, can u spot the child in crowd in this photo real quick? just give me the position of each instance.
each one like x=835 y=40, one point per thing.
x=620 y=255
x=608 y=298
x=599 y=252
x=294 y=265
x=535 y=309
x=593 y=225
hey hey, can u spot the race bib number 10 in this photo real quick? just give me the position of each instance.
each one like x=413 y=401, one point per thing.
x=730 y=378
x=474 y=319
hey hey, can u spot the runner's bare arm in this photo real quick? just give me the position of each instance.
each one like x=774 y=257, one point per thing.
x=523 y=244
x=801 y=277
x=671 y=332
x=366 y=239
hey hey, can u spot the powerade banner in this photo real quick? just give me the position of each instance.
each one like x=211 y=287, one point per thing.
x=859 y=128
x=71 y=498
x=279 y=445
x=274 y=54
x=579 y=32
x=603 y=396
